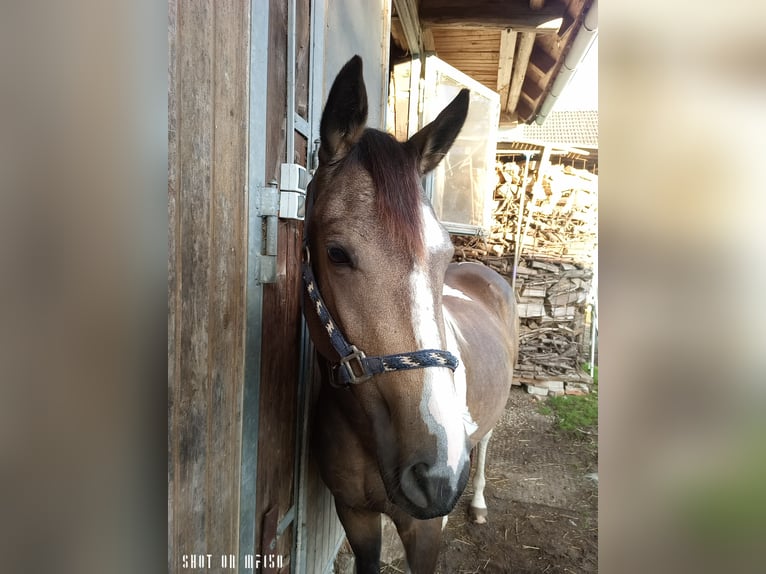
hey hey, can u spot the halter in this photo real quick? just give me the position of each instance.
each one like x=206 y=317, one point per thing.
x=355 y=366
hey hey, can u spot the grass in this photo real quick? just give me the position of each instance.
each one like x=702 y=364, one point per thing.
x=577 y=415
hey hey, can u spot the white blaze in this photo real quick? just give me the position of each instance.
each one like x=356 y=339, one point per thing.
x=453 y=346
x=442 y=405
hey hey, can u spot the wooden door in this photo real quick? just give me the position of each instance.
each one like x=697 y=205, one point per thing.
x=293 y=516
x=280 y=361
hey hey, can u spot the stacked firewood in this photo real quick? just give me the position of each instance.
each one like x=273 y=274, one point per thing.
x=560 y=213
x=552 y=297
x=554 y=273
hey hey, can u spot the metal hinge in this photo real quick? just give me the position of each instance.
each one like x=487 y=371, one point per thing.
x=269 y=209
x=293 y=181
x=285 y=199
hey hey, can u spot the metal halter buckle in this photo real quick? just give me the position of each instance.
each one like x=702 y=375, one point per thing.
x=345 y=363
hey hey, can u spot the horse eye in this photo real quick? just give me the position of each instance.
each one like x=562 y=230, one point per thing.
x=338 y=255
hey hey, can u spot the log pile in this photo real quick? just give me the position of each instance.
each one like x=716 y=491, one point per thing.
x=553 y=341
x=560 y=213
x=554 y=276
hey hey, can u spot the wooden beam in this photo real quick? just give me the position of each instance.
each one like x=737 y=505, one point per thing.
x=542 y=60
x=566 y=23
x=398 y=34
x=531 y=88
x=505 y=65
x=428 y=40
x=407 y=11
x=516 y=14
x=473 y=33
x=524 y=110
x=526 y=42
x=542 y=168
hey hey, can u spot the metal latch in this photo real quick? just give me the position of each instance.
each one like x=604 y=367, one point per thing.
x=293 y=181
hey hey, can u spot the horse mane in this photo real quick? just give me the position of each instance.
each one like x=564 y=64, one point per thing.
x=394 y=172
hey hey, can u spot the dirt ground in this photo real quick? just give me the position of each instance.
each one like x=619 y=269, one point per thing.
x=542 y=499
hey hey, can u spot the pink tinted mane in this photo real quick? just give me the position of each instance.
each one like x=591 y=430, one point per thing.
x=394 y=173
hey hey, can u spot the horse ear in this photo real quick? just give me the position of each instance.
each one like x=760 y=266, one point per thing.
x=434 y=141
x=345 y=113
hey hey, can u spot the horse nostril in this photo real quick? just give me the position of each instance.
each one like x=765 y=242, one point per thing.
x=414 y=484
x=426 y=486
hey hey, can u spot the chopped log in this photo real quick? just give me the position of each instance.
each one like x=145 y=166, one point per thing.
x=533 y=292
x=531 y=310
x=564 y=298
x=543 y=265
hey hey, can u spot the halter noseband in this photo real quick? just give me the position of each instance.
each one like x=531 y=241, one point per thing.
x=355 y=367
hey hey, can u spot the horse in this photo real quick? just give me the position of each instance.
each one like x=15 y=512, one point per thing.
x=415 y=352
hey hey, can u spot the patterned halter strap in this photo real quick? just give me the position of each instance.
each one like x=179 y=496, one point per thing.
x=355 y=367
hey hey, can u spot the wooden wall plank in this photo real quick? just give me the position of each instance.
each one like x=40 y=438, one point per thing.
x=478 y=56
x=471 y=40
x=279 y=380
x=275 y=154
x=277 y=94
x=490 y=67
x=195 y=143
x=227 y=272
x=207 y=112
x=302 y=56
x=173 y=283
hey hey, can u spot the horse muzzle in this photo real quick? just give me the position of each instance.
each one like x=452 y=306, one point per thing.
x=430 y=490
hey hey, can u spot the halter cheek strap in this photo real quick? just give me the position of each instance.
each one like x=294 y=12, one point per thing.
x=355 y=367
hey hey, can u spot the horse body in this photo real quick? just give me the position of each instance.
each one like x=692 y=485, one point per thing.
x=481 y=311
x=399 y=442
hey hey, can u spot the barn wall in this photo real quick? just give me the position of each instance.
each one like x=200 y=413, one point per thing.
x=207 y=108
x=360 y=27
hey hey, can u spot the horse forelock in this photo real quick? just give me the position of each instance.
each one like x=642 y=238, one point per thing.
x=393 y=170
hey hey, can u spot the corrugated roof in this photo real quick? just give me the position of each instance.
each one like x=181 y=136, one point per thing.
x=578 y=128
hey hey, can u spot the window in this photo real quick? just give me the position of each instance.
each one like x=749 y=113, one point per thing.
x=462 y=186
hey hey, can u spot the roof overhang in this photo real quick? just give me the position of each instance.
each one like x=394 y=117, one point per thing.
x=525 y=50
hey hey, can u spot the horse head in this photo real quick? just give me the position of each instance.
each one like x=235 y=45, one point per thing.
x=379 y=256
